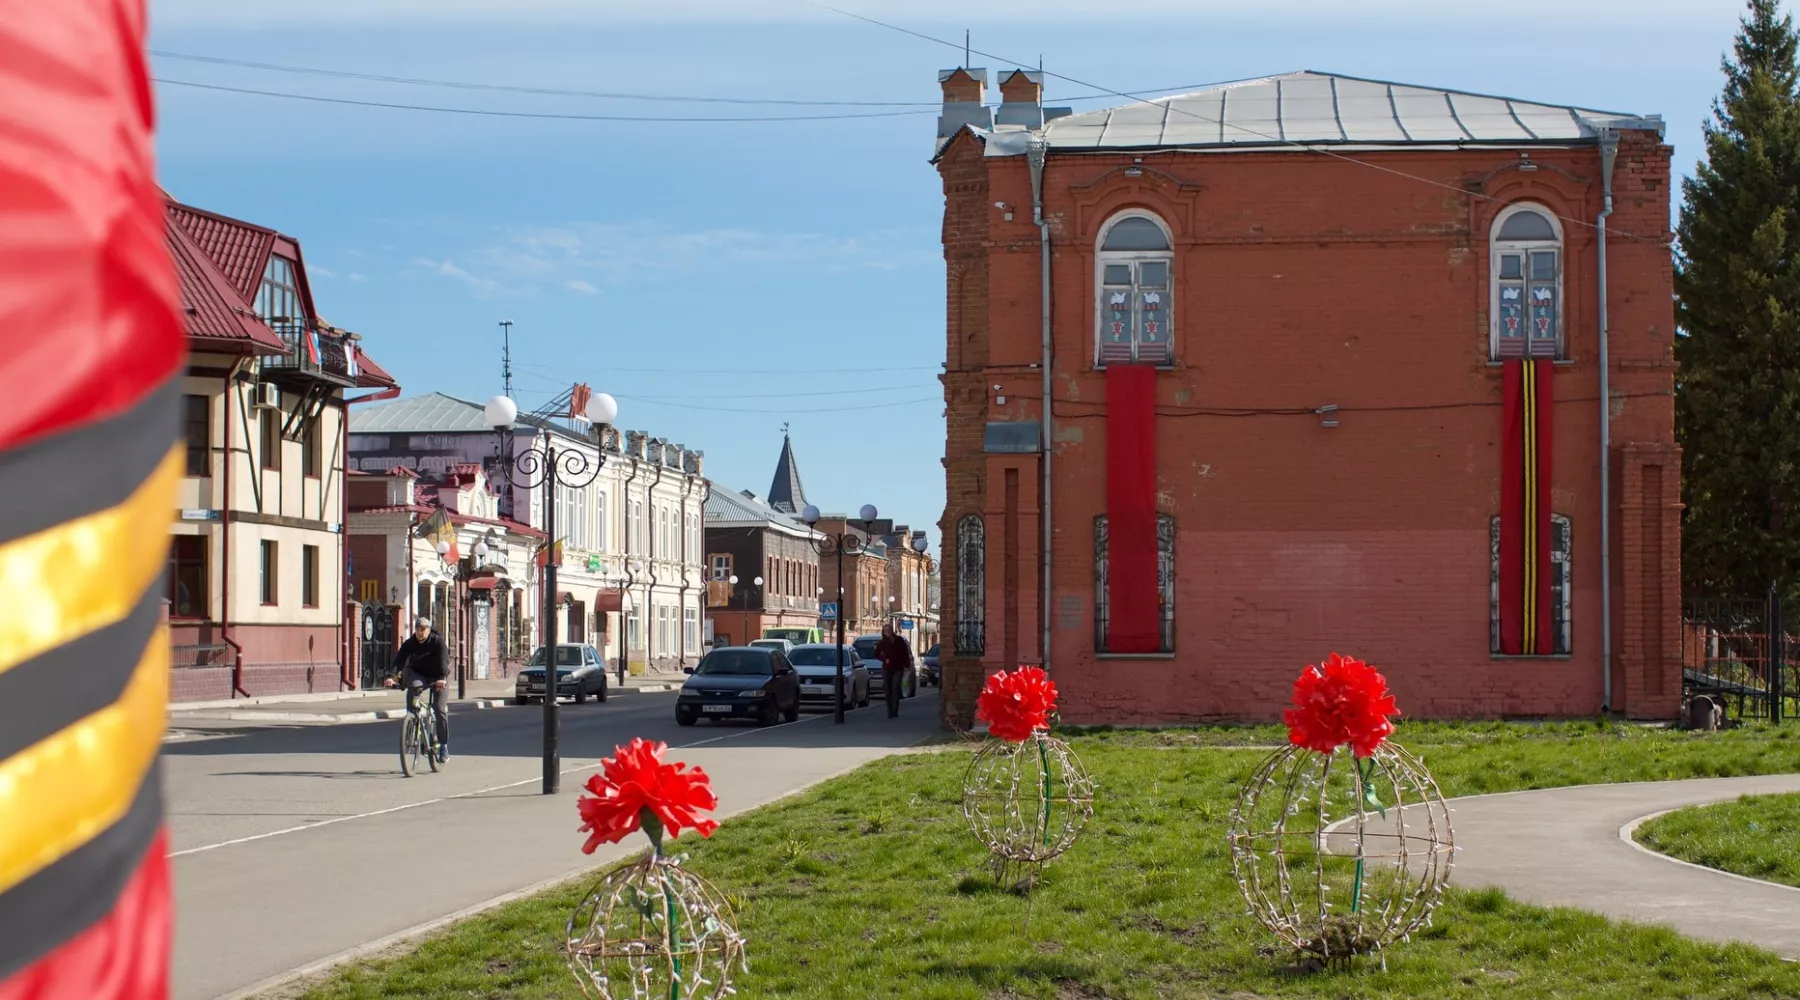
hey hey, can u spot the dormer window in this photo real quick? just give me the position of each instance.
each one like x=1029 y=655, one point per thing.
x=278 y=299
x=1134 y=292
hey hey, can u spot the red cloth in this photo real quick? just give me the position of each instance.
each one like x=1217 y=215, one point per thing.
x=123 y=956
x=1134 y=610
x=87 y=290
x=1525 y=508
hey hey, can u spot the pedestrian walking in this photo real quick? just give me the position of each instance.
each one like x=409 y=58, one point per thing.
x=896 y=657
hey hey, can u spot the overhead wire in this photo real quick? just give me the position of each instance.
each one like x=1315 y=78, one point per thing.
x=777 y=410
x=1279 y=140
x=603 y=95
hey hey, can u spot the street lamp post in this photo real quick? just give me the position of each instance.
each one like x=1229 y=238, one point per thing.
x=837 y=544
x=550 y=468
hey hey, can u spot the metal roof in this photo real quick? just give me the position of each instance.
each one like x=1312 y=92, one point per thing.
x=211 y=308
x=729 y=508
x=432 y=412
x=785 y=493
x=240 y=249
x=1312 y=109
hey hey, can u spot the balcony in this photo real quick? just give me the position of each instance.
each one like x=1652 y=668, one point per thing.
x=314 y=354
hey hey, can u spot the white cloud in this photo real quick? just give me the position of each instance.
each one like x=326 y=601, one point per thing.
x=448 y=269
x=358 y=277
x=618 y=250
x=315 y=271
x=584 y=287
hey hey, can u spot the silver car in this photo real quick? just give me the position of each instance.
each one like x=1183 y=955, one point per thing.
x=817 y=665
x=865 y=651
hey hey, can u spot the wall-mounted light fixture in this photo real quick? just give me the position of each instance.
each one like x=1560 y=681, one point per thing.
x=1004 y=208
x=1327 y=415
x=1525 y=162
x=1137 y=167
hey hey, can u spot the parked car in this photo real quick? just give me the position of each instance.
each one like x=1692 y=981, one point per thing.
x=929 y=671
x=865 y=651
x=785 y=645
x=817 y=666
x=799 y=635
x=740 y=681
x=580 y=674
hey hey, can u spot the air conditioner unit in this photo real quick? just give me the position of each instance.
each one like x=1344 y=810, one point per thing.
x=266 y=396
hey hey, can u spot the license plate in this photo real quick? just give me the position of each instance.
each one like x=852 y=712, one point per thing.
x=816 y=689
x=715 y=708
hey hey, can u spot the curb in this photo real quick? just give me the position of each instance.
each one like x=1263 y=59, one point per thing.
x=180 y=713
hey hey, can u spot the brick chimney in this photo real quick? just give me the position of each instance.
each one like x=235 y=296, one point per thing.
x=965 y=90
x=1022 y=100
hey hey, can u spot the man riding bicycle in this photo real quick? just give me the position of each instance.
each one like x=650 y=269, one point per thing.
x=423 y=659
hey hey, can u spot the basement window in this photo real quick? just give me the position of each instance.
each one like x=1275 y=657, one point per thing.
x=1134 y=292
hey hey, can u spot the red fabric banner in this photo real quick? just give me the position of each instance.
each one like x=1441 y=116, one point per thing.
x=1134 y=608
x=88 y=321
x=122 y=956
x=1525 y=508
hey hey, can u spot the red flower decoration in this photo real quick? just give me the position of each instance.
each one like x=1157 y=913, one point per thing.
x=1340 y=701
x=635 y=787
x=1014 y=705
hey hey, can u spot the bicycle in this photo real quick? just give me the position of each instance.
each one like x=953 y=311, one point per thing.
x=418 y=732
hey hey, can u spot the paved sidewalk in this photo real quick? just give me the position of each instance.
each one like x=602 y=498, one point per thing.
x=1572 y=847
x=371 y=706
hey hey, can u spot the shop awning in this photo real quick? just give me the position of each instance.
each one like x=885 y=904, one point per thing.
x=609 y=599
x=484 y=583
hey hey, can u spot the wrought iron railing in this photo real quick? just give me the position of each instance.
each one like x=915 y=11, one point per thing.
x=971 y=638
x=333 y=351
x=1740 y=652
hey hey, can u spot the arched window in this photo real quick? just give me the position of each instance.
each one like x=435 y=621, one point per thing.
x=1165 y=584
x=971 y=586
x=1527 y=285
x=1562 y=585
x=1134 y=289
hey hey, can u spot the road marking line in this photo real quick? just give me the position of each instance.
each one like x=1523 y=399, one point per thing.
x=480 y=791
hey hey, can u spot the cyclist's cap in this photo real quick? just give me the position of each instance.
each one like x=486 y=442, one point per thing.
x=422 y=623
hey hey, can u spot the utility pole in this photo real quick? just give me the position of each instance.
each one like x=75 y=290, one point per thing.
x=506 y=357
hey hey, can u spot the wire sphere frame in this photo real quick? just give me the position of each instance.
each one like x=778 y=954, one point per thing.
x=1027 y=802
x=658 y=929
x=1338 y=886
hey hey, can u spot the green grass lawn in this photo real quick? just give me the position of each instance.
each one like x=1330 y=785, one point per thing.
x=870 y=886
x=1757 y=835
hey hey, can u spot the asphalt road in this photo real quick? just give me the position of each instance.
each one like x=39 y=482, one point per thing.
x=293 y=844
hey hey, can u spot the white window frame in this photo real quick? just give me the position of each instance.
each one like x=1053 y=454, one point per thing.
x=690 y=630
x=600 y=520
x=1524 y=248
x=1562 y=560
x=1133 y=258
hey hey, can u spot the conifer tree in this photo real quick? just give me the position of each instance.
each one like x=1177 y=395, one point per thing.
x=1737 y=284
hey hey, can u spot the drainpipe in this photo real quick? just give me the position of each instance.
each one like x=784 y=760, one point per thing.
x=345 y=680
x=650 y=649
x=1609 y=151
x=237 y=663
x=1034 y=157
x=625 y=564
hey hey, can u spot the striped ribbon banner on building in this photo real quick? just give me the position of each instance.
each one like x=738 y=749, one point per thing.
x=90 y=352
x=1525 y=508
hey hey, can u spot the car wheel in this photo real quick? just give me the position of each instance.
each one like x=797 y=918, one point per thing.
x=793 y=714
x=602 y=695
x=684 y=718
x=581 y=694
x=521 y=700
x=771 y=713
x=864 y=702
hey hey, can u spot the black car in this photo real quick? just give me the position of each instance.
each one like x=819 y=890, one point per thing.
x=929 y=670
x=740 y=682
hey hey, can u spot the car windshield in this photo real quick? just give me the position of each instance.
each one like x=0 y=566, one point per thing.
x=934 y=652
x=769 y=643
x=817 y=656
x=566 y=656
x=790 y=634
x=865 y=647
x=736 y=662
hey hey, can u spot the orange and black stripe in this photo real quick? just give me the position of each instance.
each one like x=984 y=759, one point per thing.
x=89 y=371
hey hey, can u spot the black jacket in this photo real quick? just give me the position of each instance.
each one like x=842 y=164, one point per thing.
x=430 y=659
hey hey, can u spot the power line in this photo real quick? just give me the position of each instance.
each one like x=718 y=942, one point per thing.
x=910 y=387
x=603 y=95
x=787 y=409
x=793 y=370
x=1170 y=107
x=530 y=114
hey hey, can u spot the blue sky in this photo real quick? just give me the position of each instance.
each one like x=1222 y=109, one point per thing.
x=661 y=261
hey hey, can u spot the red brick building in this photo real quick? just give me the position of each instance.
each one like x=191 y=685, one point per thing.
x=1325 y=356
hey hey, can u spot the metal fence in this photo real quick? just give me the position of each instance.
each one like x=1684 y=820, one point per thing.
x=1741 y=653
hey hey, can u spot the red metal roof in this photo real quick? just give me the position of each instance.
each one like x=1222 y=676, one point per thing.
x=211 y=308
x=370 y=375
x=240 y=249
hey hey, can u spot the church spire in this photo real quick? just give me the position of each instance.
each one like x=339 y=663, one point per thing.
x=785 y=493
